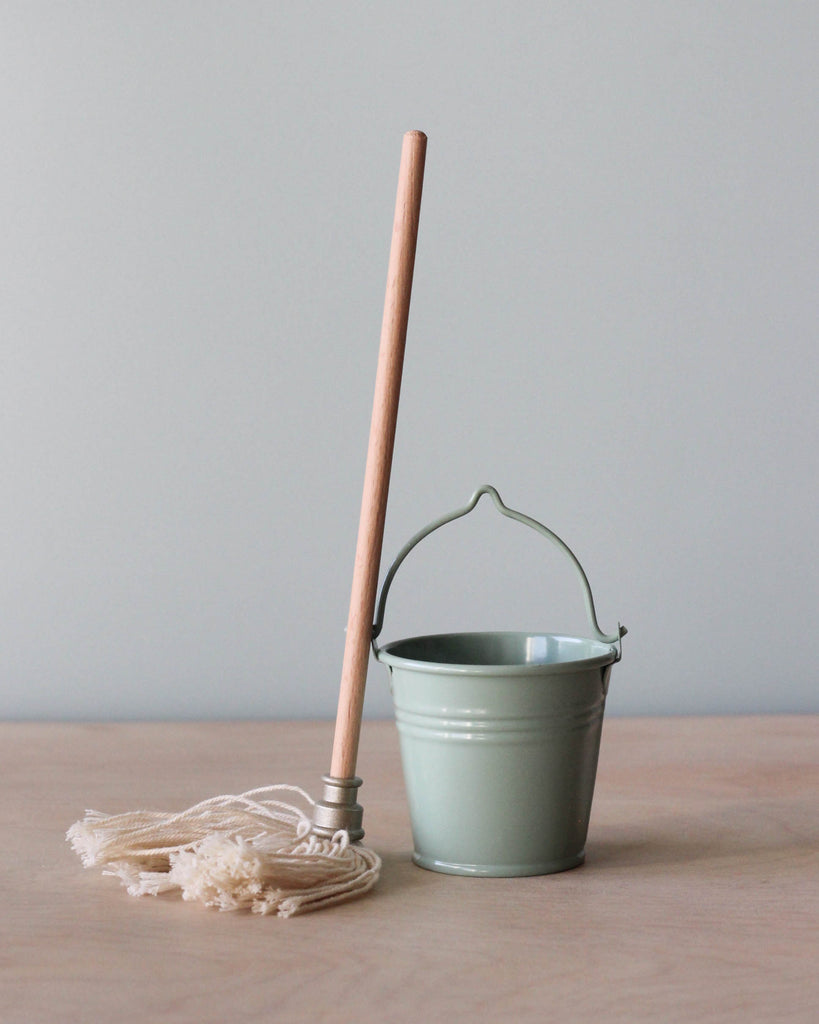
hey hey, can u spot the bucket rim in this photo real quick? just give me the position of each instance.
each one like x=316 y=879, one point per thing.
x=608 y=654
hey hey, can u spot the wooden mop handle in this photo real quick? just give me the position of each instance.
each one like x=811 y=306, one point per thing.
x=379 y=456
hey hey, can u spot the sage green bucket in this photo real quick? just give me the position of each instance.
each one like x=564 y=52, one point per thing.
x=500 y=734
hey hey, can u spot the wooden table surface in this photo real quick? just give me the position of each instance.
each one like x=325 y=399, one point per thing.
x=699 y=899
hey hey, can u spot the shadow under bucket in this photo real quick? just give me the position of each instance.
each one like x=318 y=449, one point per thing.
x=500 y=734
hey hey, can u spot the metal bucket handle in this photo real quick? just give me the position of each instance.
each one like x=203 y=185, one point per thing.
x=608 y=638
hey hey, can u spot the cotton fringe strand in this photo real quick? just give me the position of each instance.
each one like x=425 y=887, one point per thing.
x=230 y=852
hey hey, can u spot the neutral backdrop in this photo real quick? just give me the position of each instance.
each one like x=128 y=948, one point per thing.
x=613 y=321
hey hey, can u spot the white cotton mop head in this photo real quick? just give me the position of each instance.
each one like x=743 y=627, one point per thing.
x=249 y=851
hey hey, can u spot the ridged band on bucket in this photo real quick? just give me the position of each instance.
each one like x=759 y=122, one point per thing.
x=500 y=735
x=457 y=726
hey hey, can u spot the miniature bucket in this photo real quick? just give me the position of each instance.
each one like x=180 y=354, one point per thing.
x=500 y=734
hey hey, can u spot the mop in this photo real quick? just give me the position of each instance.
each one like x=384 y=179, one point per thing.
x=257 y=850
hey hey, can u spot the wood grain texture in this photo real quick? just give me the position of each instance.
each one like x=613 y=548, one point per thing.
x=699 y=899
x=379 y=455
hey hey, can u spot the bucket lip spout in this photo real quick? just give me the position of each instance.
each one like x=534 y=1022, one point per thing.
x=597 y=653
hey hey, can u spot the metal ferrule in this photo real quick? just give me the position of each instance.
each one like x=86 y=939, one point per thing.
x=339 y=809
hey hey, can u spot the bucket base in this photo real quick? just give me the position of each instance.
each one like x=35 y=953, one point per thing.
x=499 y=870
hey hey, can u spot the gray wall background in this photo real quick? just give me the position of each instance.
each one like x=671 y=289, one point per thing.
x=614 y=322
